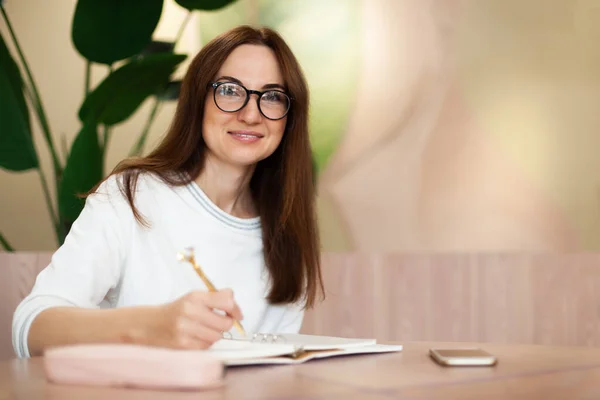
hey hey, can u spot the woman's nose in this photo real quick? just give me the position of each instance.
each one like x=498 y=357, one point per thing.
x=250 y=113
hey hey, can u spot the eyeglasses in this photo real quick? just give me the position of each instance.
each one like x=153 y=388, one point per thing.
x=232 y=97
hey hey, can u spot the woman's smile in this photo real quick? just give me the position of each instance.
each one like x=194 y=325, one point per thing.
x=246 y=136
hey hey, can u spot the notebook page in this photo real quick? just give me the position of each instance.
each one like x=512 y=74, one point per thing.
x=315 y=342
x=371 y=349
x=227 y=350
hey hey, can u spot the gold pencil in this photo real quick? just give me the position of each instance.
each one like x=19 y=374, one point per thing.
x=188 y=256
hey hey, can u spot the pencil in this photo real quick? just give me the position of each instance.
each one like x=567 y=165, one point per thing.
x=189 y=257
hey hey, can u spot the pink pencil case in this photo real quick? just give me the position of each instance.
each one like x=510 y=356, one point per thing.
x=125 y=365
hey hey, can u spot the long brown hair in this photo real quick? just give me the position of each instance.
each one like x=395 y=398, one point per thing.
x=282 y=185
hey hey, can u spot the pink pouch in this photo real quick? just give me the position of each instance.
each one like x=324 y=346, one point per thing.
x=125 y=365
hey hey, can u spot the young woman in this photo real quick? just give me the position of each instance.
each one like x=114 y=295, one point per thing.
x=232 y=179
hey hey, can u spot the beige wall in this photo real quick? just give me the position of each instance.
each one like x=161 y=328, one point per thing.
x=476 y=126
x=44 y=32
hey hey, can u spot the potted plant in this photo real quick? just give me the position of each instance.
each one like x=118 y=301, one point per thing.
x=114 y=33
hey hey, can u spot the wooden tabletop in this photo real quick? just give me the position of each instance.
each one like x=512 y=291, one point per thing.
x=522 y=372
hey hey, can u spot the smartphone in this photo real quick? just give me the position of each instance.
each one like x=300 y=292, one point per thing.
x=467 y=357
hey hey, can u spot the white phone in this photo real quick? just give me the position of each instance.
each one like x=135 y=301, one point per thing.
x=466 y=357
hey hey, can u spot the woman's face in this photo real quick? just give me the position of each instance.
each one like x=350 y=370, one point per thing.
x=244 y=137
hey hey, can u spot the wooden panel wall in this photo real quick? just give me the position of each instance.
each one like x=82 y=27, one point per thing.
x=17 y=275
x=507 y=298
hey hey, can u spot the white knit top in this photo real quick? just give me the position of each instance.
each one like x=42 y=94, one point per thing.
x=110 y=260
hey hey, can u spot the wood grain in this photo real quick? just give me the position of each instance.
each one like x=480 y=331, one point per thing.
x=501 y=298
x=522 y=372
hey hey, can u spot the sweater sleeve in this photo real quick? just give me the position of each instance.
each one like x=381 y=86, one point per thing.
x=85 y=267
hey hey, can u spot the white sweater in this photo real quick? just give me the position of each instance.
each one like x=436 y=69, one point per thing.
x=110 y=260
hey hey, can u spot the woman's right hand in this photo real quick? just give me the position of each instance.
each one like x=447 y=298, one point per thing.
x=191 y=322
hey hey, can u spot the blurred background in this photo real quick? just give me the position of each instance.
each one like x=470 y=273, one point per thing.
x=437 y=126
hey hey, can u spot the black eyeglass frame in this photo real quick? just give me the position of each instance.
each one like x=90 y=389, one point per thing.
x=249 y=92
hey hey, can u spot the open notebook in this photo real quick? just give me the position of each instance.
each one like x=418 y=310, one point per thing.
x=292 y=349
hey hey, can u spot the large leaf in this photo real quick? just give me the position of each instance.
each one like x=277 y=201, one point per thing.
x=105 y=31
x=5 y=244
x=123 y=91
x=171 y=91
x=82 y=172
x=157 y=47
x=16 y=144
x=207 y=5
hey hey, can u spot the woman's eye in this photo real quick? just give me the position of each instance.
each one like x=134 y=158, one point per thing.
x=274 y=97
x=229 y=90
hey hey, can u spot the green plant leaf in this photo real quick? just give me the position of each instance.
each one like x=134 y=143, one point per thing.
x=82 y=172
x=5 y=244
x=207 y=5
x=17 y=152
x=157 y=47
x=170 y=92
x=105 y=31
x=123 y=91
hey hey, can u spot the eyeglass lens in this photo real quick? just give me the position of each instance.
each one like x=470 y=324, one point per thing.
x=231 y=97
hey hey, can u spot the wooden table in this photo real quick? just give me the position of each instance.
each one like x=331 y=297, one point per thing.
x=522 y=372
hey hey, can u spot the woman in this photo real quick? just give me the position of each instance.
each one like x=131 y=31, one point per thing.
x=233 y=180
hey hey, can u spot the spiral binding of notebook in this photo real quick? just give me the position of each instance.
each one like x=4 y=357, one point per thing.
x=267 y=337
x=258 y=338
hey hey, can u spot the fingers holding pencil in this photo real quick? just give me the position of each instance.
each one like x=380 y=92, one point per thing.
x=188 y=255
x=223 y=300
x=190 y=322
